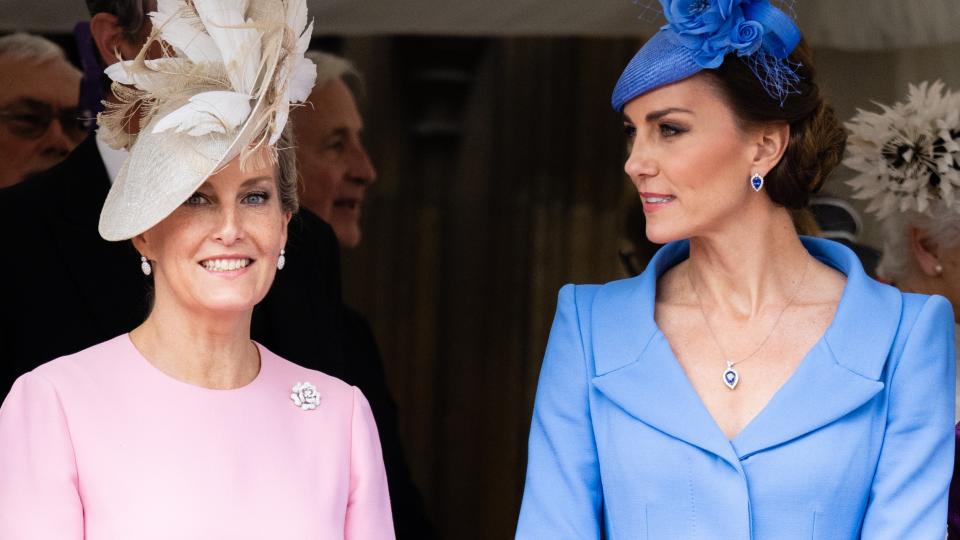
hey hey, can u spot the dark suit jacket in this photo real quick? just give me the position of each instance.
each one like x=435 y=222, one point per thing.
x=63 y=288
x=365 y=371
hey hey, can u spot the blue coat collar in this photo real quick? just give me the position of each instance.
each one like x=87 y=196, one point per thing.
x=636 y=369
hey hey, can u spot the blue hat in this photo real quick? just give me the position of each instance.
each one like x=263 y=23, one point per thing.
x=700 y=33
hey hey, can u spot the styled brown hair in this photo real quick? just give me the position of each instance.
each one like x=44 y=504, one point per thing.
x=288 y=175
x=817 y=139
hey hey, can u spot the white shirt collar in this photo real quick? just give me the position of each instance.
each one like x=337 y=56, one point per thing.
x=112 y=158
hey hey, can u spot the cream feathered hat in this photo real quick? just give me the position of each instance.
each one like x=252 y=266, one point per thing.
x=222 y=88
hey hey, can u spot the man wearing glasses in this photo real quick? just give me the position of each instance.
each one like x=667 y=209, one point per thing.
x=39 y=121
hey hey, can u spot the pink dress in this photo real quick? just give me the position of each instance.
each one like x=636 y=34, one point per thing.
x=100 y=445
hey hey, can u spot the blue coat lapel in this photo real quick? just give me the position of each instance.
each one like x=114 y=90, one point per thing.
x=636 y=369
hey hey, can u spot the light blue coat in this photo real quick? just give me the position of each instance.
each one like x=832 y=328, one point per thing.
x=857 y=443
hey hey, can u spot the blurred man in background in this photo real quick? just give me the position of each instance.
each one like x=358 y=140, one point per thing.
x=334 y=164
x=336 y=173
x=39 y=121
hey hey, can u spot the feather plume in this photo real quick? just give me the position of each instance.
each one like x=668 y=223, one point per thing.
x=237 y=39
x=908 y=154
x=207 y=112
x=180 y=27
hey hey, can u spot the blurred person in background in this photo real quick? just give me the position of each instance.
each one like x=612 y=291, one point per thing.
x=336 y=172
x=336 y=168
x=39 y=120
x=908 y=160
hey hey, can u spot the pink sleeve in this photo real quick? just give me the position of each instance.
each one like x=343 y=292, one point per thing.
x=368 y=506
x=38 y=473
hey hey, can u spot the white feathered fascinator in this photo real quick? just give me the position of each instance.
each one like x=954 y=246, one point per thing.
x=908 y=155
x=222 y=88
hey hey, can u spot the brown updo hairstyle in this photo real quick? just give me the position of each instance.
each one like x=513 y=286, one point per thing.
x=817 y=140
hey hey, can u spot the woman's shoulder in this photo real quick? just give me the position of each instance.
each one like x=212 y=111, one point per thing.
x=283 y=371
x=926 y=310
x=104 y=358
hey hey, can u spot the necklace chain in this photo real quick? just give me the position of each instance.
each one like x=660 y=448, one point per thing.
x=731 y=363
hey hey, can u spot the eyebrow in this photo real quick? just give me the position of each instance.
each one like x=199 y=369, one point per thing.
x=255 y=180
x=339 y=132
x=247 y=182
x=653 y=116
x=23 y=101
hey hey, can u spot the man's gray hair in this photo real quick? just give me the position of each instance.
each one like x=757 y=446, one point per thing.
x=36 y=50
x=331 y=67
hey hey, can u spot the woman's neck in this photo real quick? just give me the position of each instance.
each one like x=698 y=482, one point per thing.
x=750 y=264
x=203 y=349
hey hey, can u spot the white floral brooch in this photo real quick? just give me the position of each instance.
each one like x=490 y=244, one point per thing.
x=907 y=155
x=305 y=396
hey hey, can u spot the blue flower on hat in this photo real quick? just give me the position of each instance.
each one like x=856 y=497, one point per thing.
x=700 y=33
x=697 y=17
x=747 y=37
x=713 y=28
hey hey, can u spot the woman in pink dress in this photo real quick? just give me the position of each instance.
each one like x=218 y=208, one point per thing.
x=185 y=428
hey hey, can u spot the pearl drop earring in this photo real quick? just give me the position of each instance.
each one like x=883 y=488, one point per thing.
x=145 y=266
x=282 y=261
x=938 y=269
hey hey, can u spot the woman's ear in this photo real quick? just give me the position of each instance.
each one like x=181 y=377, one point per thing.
x=286 y=222
x=143 y=247
x=771 y=143
x=110 y=39
x=924 y=251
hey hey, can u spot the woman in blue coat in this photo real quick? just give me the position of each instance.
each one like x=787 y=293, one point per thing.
x=750 y=383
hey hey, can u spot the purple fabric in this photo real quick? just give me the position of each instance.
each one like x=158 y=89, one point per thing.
x=953 y=509
x=90 y=87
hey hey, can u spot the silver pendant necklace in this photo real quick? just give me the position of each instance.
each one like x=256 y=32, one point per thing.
x=731 y=377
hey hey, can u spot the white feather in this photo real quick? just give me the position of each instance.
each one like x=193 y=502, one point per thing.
x=279 y=121
x=235 y=37
x=297 y=15
x=186 y=36
x=302 y=77
x=159 y=73
x=216 y=111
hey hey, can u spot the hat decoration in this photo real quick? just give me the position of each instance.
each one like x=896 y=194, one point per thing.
x=908 y=154
x=699 y=34
x=222 y=86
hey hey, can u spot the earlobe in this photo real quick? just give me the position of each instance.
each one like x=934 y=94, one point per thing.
x=771 y=145
x=925 y=253
x=287 y=216
x=140 y=244
x=106 y=34
x=110 y=39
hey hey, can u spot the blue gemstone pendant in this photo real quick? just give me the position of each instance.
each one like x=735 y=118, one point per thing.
x=730 y=376
x=756 y=182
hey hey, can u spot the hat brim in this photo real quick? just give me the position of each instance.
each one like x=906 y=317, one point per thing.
x=164 y=169
x=661 y=61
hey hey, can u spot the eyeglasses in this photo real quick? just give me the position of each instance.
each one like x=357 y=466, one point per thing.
x=30 y=119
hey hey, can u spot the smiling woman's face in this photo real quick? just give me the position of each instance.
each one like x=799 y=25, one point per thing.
x=689 y=160
x=218 y=251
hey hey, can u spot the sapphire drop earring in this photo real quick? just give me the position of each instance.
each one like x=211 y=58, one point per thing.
x=756 y=182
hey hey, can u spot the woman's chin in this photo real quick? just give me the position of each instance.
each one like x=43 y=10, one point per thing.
x=664 y=235
x=228 y=304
